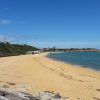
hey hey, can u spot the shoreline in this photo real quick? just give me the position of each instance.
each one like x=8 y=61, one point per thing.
x=32 y=73
x=75 y=65
x=72 y=65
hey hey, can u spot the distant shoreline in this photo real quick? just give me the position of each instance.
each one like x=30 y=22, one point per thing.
x=77 y=51
x=82 y=51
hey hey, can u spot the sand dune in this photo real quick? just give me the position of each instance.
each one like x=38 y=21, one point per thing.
x=32 y=73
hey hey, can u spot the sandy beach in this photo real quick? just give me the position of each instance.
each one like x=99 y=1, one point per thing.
x=33 y=73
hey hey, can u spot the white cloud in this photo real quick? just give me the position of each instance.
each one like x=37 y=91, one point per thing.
x=2 y=38
x=4 y=21
x=5 y=39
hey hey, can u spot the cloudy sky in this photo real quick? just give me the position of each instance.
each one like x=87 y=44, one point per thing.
x=47 y=23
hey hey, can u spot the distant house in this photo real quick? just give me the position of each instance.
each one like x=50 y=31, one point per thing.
x=33 y=52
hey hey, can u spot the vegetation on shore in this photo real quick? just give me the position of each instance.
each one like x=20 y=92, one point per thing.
x=8 y=49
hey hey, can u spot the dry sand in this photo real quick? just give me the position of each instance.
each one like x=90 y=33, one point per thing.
x=33 y=73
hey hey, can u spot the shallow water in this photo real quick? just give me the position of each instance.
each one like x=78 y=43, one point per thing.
x=85 y=59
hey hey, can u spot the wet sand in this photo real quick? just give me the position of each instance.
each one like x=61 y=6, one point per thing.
x=37 y=73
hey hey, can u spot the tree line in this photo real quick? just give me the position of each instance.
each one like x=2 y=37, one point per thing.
x=8 y=49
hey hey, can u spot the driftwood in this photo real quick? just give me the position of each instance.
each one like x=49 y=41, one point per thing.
x=46 y=95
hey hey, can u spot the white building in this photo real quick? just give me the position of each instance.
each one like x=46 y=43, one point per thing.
x=33 y=52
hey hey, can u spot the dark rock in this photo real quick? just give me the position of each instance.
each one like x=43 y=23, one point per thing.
x=57 y=96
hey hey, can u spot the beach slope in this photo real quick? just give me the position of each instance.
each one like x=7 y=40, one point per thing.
x=37 y=73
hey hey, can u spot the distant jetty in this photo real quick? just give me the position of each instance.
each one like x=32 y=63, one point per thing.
x=71 y=49
x=82 y=50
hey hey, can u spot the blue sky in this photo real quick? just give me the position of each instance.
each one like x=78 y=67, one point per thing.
x=47 y=23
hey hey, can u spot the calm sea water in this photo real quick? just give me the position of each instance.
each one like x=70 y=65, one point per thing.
x=85 y=59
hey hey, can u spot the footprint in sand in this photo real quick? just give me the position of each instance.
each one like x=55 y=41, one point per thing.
x=80 y=80
x=10 y=83
x=69 y=77
x=95 y=98
x=97 y=89
x=6 y=86
x=78 y=98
